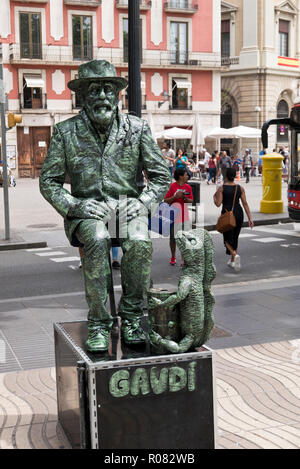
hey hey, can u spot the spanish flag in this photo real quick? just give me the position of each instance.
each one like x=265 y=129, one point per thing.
x=288 y=62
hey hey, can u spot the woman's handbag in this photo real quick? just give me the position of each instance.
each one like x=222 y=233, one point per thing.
x=227 y=221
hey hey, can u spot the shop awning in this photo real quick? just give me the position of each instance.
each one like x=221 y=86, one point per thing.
x=34 y=82
x=183 y=83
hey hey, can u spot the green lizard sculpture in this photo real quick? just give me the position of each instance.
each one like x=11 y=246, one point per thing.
x=194 y=294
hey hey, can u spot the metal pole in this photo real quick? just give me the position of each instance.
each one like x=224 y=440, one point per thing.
x=134 y=59
x=134 y=70
x=3 y=154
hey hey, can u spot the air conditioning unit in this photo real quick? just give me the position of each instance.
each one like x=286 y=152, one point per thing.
x=193 y=62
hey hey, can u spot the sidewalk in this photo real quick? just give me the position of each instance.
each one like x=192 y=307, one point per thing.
x=258 y=390
x=257 y=355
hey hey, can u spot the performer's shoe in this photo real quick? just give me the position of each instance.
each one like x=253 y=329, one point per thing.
x=98 y=340
x=132 y=332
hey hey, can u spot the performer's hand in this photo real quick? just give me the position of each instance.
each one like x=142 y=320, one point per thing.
x=134 y=208
x=154 y=303
x=90 y=209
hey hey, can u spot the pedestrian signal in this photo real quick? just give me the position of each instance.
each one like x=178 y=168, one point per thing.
x=13 y=119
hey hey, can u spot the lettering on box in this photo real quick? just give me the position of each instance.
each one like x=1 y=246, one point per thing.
x=145 y=381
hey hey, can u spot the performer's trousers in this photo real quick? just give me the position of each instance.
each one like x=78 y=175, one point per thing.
x=135 y=268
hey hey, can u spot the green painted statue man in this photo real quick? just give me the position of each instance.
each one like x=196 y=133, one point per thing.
x=100 y=150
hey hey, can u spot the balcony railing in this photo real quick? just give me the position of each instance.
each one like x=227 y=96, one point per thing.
x=181 y=106
x=30 y=50
x=230 y=61
x=32 y=1
x=84 y=3
x=52 y=54
x=125 y=102
x=144 y=4
x=182 y=6
x=29 y=105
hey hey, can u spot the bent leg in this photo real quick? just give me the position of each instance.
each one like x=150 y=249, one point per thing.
x=135 y=267
x=95 y=238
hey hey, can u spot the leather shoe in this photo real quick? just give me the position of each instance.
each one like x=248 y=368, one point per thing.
x=132 y=332
x=98 y=340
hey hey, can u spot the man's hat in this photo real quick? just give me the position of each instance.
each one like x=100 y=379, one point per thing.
x=97 y=70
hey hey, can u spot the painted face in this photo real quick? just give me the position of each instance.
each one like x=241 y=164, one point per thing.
x=100 y=102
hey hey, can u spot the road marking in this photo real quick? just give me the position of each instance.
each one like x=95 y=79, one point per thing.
x=52 y=253
x=247 y=235
x=277 y=231
x=268 y=240
x=38 y=249
x=65 y=259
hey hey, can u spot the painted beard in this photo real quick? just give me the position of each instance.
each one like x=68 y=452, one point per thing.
x=101 y=114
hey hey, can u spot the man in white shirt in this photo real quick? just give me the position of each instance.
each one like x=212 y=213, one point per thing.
x=169 y=156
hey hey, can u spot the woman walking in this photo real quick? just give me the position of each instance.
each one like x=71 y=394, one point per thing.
x=225 y=195
x=212 y=169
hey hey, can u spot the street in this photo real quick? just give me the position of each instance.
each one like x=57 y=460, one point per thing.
x=266 y=252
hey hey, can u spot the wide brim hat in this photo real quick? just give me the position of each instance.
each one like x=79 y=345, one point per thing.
x=94 y=71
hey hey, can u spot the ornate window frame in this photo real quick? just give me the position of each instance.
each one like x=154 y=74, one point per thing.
x=228 y=12
x=287 y=12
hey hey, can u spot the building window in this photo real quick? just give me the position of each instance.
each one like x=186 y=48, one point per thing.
x=180 y=93
x=32 y=92
x=179 y=43
x=282 y=130
x=82 y=38
x=283 y=38
x=125 y=40
x=30 y=35
x=225 y=38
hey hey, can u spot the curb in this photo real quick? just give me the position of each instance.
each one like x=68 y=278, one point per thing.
x=22 y=245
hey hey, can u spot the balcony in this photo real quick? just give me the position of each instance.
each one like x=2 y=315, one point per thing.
x=32 y=1
x=125 y=102
x=29 y=105
x=83 y=3
x=181 y=106
x=227 y=61
x=144 y=4
x=181 y=6
x=64 y=55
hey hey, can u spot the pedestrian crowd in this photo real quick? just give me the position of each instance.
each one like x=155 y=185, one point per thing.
x=221 y=169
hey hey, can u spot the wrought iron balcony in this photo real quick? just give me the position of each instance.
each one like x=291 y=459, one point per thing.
x=181 y=6
x=144 y=4
x=84 y=3
x=28 y=104
x=230 y=61
x=32 y=1
x=30 y=50
x=186 y=105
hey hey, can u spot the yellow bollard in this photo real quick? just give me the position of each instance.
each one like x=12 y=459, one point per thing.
x=272 y=182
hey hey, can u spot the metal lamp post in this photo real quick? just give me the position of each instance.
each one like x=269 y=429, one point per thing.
x=134 y=69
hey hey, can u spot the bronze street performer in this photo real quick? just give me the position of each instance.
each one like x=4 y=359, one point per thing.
x=100 y=149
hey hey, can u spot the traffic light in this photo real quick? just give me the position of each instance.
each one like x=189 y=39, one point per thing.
x=13 y=119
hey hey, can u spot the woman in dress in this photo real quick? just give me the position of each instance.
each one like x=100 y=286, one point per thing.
x=225 y=195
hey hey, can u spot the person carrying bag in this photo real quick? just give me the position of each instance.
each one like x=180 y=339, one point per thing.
x=226 y=220
x=231 y=220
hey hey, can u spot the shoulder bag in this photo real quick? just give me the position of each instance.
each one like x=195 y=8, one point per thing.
x=227 y=221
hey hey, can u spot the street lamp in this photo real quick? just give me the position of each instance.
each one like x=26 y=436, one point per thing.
x=165 y=98
x=257 y=109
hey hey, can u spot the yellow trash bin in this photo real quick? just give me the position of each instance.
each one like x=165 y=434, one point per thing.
x=272 y=184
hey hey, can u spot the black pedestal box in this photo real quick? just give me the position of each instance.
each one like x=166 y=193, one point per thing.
x=128 y=399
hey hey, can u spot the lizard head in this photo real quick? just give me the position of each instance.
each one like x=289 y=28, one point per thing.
x=190 y=244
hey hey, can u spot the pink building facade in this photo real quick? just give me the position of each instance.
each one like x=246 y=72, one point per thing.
x=44 y=41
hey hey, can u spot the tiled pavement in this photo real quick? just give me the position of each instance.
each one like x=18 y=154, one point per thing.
x=258 y=391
